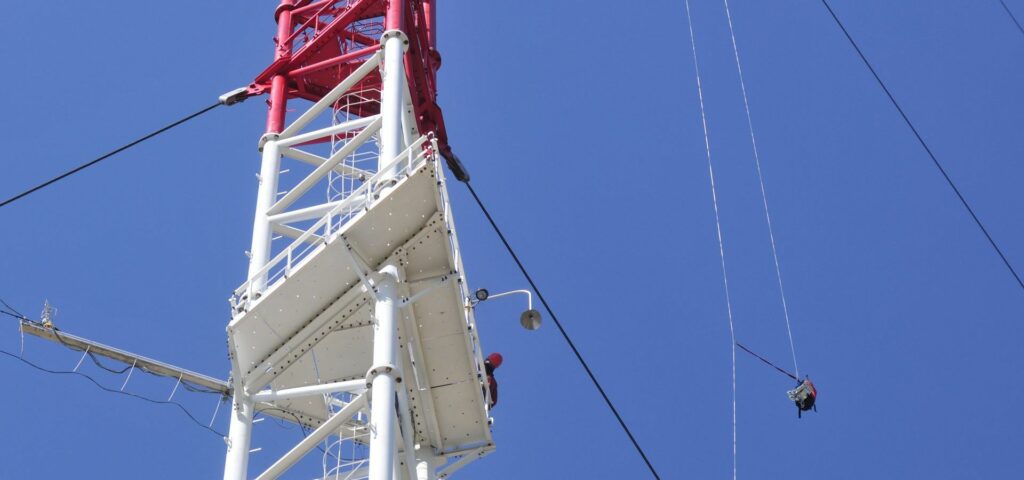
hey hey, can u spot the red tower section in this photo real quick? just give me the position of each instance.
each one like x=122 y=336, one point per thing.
x=319 y=43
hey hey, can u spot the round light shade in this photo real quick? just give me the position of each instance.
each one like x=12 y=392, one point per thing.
x=530 y=319
x=482 y=294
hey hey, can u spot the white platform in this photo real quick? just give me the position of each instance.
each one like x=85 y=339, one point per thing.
x=313 y=325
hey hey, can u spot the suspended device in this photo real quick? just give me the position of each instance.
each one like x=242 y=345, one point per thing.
x=355 y=317
x=804 y=395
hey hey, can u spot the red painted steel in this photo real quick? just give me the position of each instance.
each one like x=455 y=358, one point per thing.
x=279 y=82
x=319 y=43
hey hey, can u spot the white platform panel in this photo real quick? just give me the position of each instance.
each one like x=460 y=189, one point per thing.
x=313 y=323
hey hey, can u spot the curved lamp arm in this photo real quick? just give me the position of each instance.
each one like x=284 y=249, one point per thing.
x=529 y=296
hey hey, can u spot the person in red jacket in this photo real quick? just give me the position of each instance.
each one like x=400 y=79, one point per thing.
x=491 y=363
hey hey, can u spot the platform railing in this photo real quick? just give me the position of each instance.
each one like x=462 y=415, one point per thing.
x=334 y=221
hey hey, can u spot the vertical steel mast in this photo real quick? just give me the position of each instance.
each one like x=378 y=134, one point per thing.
x=355 y=317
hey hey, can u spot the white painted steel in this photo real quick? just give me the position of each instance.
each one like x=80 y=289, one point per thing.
x=409 y=128
x=382 y=404
x=364 y=191
x=409 y=154
x=416 y=388
x=317 y=160
x=400 y=226
x=316 y=436
x=426 y=466
x=309 y=213
x=336 y=93
x=318 y=174
x=292 y=232
x=465 y=460
x=302 y=321
x=408 y=442
x=529 y=296
x=90 y=347
x=359 y=266
x=392 y=99
x=323 y=304
x=327 y=132
x=319 y=389
x=236 y=461
x=265 y=196
x=355 y=474
x=439 y=282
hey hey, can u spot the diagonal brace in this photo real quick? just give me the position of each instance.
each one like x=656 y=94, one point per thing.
x=319 y=173
x=322 y=432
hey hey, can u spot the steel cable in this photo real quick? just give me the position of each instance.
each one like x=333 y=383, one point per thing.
x=927 y=150
x=111 y=390
x=107 y=155
x=1012 y=16
x=561 y=329
x=784 y=372
x=718 y=231
x=14 y=314
x=764 y=193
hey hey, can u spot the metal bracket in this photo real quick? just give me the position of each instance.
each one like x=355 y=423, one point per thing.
x=237 y=95
x=356 y=261
x=438 y=282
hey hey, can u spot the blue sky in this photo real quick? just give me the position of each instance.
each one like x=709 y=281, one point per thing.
x=579 y=122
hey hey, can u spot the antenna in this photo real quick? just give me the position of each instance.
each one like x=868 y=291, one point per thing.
x=48 y=313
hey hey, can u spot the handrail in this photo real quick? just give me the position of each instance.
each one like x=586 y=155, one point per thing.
x=363 y=192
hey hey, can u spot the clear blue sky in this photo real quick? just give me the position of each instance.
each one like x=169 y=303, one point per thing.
x=580 y=124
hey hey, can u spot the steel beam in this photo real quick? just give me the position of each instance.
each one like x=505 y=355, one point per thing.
x=465 y=460
x=157 y=367
x=318 y=174
x=292 y=232
x=323 y=388
x=316 y=436
x=283 y=357
x=355 y=77
x=317 y=160
x=348 y=126
x=383 y=376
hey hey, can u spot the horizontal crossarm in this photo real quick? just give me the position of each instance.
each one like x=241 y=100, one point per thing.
x=148 y=364
x=321 y=171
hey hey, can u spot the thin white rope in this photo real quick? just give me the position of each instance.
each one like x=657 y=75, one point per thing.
x=718 y=229
x=80 y=360
x=176 y=384
x=130 y=372
x=215 y=411
x=764 y=195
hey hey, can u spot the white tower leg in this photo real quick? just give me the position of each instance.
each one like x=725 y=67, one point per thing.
x=383 y=372
x=385 y=334
x=391 y=98
x=265 y=198
x=236 y=461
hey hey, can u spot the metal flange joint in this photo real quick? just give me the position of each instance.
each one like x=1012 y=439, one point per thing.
x=395 y=33
x=266 y=138
x=383 y=369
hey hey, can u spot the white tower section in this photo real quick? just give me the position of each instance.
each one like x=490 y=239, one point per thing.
x=355 y=319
